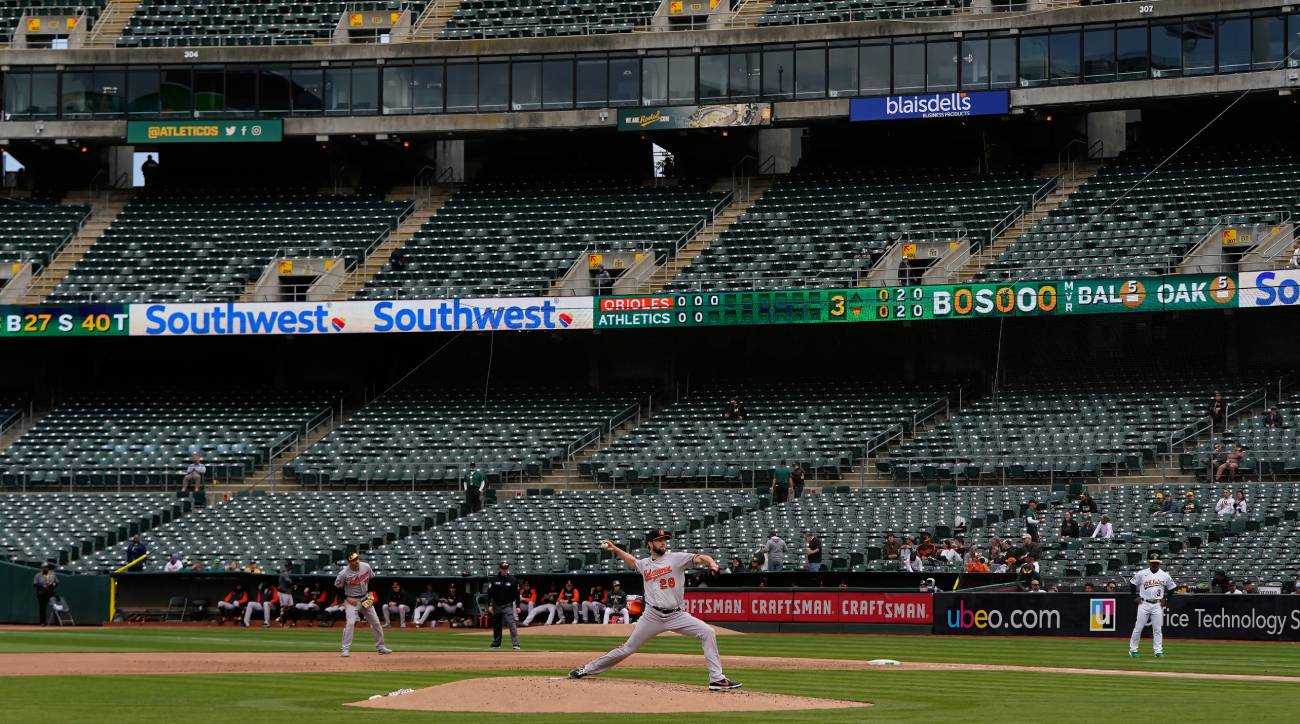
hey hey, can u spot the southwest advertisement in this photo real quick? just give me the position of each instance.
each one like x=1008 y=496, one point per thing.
x=718 y=115
x=1192 y=615
x=1279 y=288
x=795 y=606
x=429 y=315
x=931 y=105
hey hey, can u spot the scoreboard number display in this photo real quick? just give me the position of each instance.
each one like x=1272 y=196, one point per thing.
x=82 y=321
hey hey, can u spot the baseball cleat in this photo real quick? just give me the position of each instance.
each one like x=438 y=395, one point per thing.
x=723 y=685
x=494 y=646
x=577 y=674
x=344 y=654
x=1133 y=654
x=1160 y=654
x=384 y=650
x=516 y=647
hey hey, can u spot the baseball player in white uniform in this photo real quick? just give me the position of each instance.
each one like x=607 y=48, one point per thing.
x=664 y=575
x=354 y=579
x=1153 y=588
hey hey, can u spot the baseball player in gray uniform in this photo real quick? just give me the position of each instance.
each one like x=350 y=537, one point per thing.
x=354 y=579
x=664 y=575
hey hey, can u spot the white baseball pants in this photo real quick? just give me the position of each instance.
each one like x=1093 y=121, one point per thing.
x=350 y=616
x=616 y=612
x=1149 y=613
x=651 y=624
x=542 y=608
x=265 y=608
x=423 y=613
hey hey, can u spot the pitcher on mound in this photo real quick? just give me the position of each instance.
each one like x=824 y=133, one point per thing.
x=664 y=576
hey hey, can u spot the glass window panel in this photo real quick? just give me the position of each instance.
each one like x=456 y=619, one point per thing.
x=308 y=90
x=426 y=83
x=624 y=81
x=1234 y=43
x=109 y=96
x=681 y=79
x=45 y=94
x=842 y=72
x=1267 y=46
x=1131 y=52
x=1098 y=55
x=1293 y=40
x=493 y=86
x=241 y=90
x=275 y=90
x=873 y=66
x=142 y=92
x=654 y=81
x=337 y=89
x=462 y=87
x=974 y=63
x=365 y=89
x=746 y=70
x=209 y=92
x=810 y=73
x=1002 y=62
x=1033 y=59
x=778 y=74
x=18 y=95
x=1198 y=47
x=1064 y=56
x=713 y=77
x=557 y=83
x=909 y=67
x=76 y=86
x=177 y=101
x=593 y=82
x=1166 y=49
x=397 y=89
x=941 y=65
x=526 y=85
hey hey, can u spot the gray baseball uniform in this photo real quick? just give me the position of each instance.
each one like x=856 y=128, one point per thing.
x=665 y=588
x=356 y=586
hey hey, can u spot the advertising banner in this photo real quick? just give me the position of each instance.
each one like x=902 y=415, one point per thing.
x=90 y=320
x=430 y=315
x=1270 y=289
x=718 y=115
x=857 y=607
x=1188 y=616
x=269 y=131
x=930 y=105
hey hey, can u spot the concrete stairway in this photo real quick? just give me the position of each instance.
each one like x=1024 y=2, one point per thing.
x=108 y=28
x=749 y=12
x=434 y=18
x=103 y=213
x=710 y=233
x=1065 y=187
x=410 y=226
x=565 y=476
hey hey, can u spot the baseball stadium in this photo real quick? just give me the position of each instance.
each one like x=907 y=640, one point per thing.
x=859 y=360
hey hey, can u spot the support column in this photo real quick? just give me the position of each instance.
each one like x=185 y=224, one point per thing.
x=785 y=145
x=1110 y=127
x=451 y=155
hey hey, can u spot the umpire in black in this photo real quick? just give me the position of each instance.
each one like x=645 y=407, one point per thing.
x=503 y=600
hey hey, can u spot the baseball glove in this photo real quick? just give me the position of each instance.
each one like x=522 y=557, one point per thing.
x=367 y=602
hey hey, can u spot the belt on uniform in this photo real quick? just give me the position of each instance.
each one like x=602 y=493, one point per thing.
x=1150 y=600
x=666 y=610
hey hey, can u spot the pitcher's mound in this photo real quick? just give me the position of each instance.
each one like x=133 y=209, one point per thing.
x=553 y=694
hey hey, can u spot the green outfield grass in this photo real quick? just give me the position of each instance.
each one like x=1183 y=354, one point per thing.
x=1108 y=653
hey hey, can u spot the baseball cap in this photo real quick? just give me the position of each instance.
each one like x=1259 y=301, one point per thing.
x=1153 y=559
x=615 y=583
x=504 y=564
x=657 y=534
x=353 y=556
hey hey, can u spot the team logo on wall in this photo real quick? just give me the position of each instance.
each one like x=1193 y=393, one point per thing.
x=1223 y=290
x=1133 y=293
x=1101 y=614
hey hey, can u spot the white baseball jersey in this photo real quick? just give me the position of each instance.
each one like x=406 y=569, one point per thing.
x=1152 y=586
x=665 y=579
x=355 y=584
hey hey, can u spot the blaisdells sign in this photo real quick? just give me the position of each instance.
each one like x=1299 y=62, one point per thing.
x=269 y=131
x=1188 y=616
x=91 y=320
x=430 y=315
x=721 y=605
x=932 y=105
x=719 y=115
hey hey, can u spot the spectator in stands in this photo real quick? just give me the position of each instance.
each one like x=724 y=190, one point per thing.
x=1089 y=588
x=1161 y=506
x=268 y=599
x=1273 y=419
x=1032 y=518
x=907 y=558
x=397 y=260
x=425 y=601
x=46 y=584
x=757 y=563
x=398 y=603
x=1069 y=526
x=1105 y=530
x=1190 y=506
x=781 y=483
x=451 y=605
x=1035 y=586
x=1112 y=587
x=1006 y=565
x=1088 y=528
x=1220 y=583
x=232 y=566
x=926 y=550
x=1231 y=464
x=253 y=568
x=734 y=566
x=979 y=565
x=232 y=604
x=797 y=476
x=174 y=564
x=1293 y=588
x=1086 y=503
x=1226 y=505
x=1217 y=410
x=1031 y=547
x=949 y=553
x=1239 y=506
x=473 y=483
x=213 y=567
x=774 y=551
x=889 y=551
x=604 y=281
x=1249 y=587
x=1217 y=457
x=735 y=410
x=193 y=475
x=134 y=550
x=813 y=550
